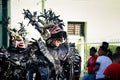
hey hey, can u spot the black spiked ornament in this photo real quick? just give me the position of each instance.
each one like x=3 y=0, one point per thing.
x=44 y=21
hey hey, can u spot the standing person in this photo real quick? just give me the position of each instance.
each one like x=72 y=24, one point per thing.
x=91 y=64
x=17 y=44
x=109 y=52
x=48 y=52
x=53 y=43
x=61 y=51
x=112 y=72
x=117 y=50
x=52 y=35
x=101 y=63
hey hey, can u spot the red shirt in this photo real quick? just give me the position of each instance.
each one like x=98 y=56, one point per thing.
x=113 y=71
x=91 y=64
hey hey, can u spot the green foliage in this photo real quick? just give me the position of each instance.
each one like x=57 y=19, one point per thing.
x=112 y=48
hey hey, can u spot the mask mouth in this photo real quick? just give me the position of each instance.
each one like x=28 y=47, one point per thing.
x=20 y=44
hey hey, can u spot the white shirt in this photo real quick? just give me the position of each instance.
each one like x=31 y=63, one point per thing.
x=104 y=61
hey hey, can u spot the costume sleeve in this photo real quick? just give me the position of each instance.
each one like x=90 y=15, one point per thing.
x=44 y=50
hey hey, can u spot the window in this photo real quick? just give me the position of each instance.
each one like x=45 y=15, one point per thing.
x=76 y=28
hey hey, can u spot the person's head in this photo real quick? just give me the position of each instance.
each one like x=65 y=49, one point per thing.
x=116 y=58
x=19 y=42
x=93 y=50
x=117 y=50
x=102 y=50
x=57 y=36
x=16 y=40
x=56 y=41
x=105 y=44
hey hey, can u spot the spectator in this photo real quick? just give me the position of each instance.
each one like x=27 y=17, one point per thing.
x=90 y=65
x=112 y=72
x=117 y=50
x=101 y=63
x=109 y=52
x=105 y=44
